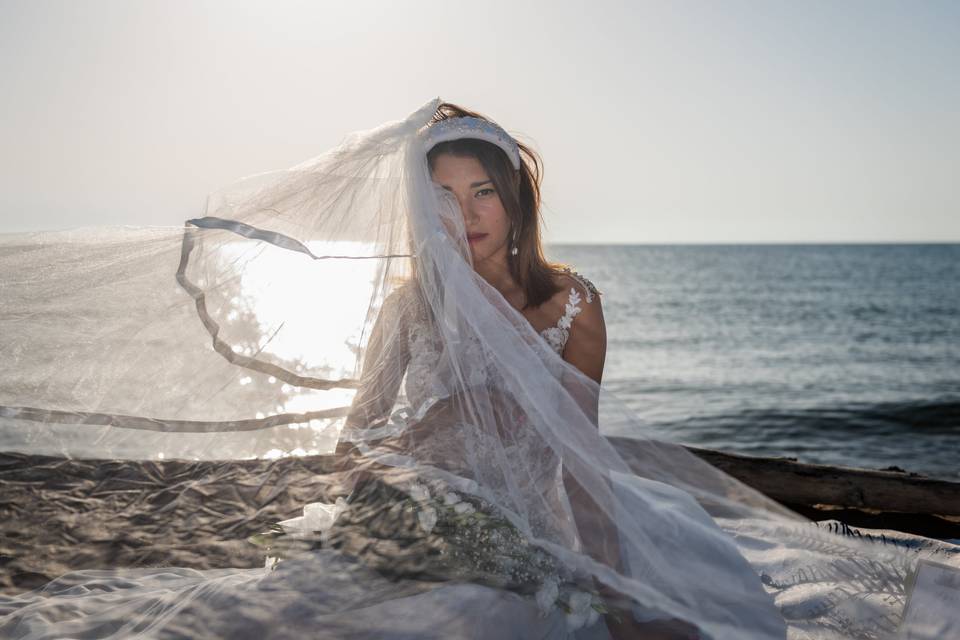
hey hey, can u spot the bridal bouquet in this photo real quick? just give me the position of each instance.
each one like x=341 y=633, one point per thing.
x=425 y=530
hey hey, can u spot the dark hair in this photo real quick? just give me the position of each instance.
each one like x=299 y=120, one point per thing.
x=520 y=194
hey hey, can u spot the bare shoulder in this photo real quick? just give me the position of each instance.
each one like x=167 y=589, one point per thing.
x=568 y=277
x=582 y=299
x=587 y=345
x=571 y=282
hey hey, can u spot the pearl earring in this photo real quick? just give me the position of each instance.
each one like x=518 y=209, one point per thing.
x=514 y=251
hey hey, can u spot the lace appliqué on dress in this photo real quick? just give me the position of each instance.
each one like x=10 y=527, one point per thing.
x=557 y=336
x=422 y=379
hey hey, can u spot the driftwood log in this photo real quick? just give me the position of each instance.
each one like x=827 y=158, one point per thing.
x=899 y=500
x=791 y=482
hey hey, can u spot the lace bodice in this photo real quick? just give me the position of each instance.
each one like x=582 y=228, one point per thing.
x=422 y=379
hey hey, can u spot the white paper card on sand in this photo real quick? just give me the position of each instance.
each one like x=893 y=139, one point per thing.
x=933 y=601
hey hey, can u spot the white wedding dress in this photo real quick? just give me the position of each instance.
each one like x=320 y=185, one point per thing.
x=311 y=595
x=521 y=617
x=741 y=550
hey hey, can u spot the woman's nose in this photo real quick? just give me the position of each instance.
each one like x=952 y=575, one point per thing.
x=465 y=207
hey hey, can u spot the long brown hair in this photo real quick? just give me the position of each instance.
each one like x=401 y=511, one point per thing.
x=519 y=192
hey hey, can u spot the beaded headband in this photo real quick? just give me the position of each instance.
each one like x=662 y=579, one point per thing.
x=473 y=128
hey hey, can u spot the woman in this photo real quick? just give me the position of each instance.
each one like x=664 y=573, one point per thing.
x=464 y=399
x=499 y=202
x=477 y=501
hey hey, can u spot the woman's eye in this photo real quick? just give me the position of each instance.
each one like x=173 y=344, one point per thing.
x=484 y=192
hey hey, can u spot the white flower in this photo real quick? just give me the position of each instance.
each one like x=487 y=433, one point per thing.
x=547 y=595
x=317 y=516
x=451 y=498
x=581 y=613
x=427 y=518
x=464 y=507
x=419 y=492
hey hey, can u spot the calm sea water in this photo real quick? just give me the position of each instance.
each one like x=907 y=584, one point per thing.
x=828 y=353
x=838 y=354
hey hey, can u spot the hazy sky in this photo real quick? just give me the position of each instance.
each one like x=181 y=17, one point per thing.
x=657 y=121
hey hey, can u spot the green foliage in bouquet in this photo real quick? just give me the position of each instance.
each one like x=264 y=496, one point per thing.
x=433 y=533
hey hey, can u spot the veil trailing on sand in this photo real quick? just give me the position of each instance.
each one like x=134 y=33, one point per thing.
x=333 y=305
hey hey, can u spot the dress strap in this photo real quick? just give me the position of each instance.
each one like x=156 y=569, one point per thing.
x=583 y=282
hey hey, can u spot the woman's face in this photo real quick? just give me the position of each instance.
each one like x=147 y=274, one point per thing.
x=484 y=217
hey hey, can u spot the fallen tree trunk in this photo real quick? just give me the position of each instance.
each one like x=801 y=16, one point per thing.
x=907 y=502
x=792 y=482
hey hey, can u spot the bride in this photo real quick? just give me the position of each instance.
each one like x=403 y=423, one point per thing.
x=473 y=495
x=494 y=182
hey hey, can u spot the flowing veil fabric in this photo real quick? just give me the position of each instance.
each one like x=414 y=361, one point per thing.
x=334 y=304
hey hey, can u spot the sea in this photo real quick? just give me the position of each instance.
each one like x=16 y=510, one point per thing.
x=833 y=354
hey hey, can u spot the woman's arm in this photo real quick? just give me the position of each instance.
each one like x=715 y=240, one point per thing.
x=586 y=349
x=384 y=365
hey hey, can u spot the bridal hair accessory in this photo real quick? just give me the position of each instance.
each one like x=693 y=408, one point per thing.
x=475 y=128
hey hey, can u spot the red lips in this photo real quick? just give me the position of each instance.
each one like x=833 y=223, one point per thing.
x=473 y=237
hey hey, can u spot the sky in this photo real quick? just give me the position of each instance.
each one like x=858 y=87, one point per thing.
x=658 y=122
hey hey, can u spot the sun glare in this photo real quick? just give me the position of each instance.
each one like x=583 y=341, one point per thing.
x=313 y=313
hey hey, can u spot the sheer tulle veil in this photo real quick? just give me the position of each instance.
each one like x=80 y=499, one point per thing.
x=280 y=323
